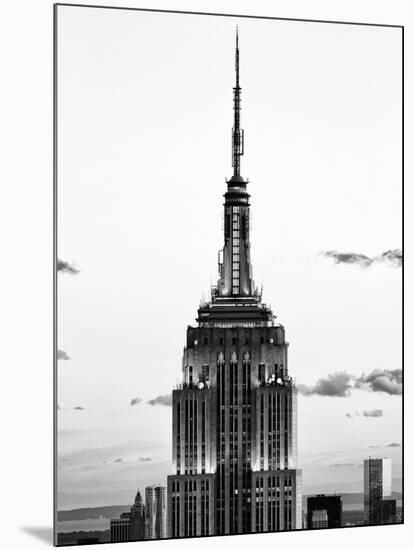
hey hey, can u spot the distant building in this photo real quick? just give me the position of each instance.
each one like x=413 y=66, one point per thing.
x=120 y=528
x=386 y=512
x=137 y=519
x=156 y=512
x=324 y=512
x=130 y=525
x=377 y=492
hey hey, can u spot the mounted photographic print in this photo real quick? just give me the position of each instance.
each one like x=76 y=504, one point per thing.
x=254 y=390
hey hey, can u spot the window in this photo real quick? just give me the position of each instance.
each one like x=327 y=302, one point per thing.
x=204 y=372
x=262 y=372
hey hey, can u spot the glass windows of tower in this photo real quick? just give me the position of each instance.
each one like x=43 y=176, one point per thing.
x=235 y=249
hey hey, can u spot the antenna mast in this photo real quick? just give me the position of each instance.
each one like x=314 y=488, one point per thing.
x=238 y=133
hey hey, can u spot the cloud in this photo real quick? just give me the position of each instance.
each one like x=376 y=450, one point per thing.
x=118 y=460
x=372 y=414
x=135 y=401
x=79 y=408
x=338 y=384
x=387 y=381
x=382 y=446
x=161 y=400
x=375 y=413
x=348 y=258
x=392 y=258
x=62 y=355
x=145 y=459
x=66 y=267
x=342 y=465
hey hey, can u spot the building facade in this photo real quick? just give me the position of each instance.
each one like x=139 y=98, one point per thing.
x=377 y=488
x=324 y=512
x=130 y=525
x=386 y=512
x=235 y=412
x=137 y=519
x=120 y=528
x=155 y=512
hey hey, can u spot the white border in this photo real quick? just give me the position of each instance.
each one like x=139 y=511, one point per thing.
x=26 y=289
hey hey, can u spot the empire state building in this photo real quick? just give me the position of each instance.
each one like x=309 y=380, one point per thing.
x=235 y=412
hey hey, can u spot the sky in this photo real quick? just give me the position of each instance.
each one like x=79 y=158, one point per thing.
x=145 y=117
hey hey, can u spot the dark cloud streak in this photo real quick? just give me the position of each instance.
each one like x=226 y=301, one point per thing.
x=165 y=400
x=66 y=267
x=375 y=413
x=62 y=355
x=338 y=384
x=135 y=401
x=386 y=381
x=392 y=258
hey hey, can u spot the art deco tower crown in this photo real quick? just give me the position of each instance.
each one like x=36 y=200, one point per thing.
x=235 y=301
x=235 y=274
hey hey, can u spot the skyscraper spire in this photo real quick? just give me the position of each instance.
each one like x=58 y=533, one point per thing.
x=235 y=298
x=234 y=262
x=238 y=133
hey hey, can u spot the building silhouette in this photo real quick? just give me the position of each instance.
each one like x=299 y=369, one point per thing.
x=137 y=519
x=234 y=414
x=324 y=511
x=120 y=528
x=130 y=525
x=378 y=506
x=155 y=512
x=386 y=512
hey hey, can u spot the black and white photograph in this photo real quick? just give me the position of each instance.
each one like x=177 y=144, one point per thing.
x=229 y=275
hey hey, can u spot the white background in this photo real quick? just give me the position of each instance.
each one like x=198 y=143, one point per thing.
x=26 y=299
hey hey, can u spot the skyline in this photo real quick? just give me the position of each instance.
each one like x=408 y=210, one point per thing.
x=320 y=275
